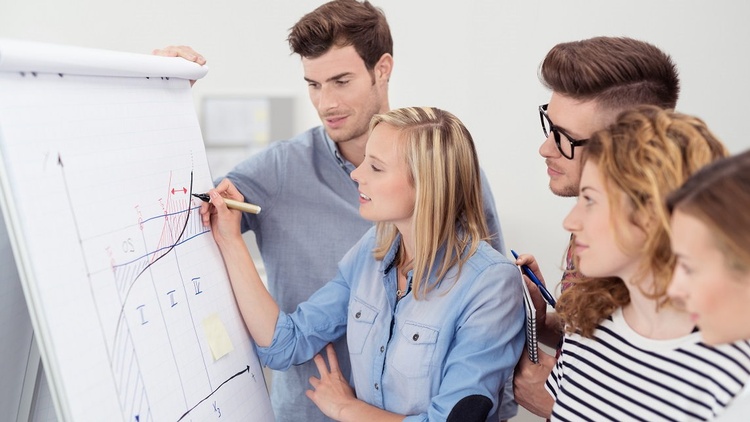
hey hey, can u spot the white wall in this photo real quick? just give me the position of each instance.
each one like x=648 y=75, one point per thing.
x=477 y=59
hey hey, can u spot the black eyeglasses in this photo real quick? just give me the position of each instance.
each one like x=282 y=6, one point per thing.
x=565 y=148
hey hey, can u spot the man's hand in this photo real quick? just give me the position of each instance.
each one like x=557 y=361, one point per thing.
x=528 y=384
x=548 y=325
x=183 y=51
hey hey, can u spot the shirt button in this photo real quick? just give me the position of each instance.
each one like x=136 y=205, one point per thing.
x=358 y=314
x=377 y=387
x=415 y=337
x=382 y=349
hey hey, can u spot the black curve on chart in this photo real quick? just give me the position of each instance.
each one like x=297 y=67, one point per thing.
x=247 y=369
x=187 y=219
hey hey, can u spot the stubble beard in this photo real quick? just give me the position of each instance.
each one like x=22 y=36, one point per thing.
x=565 y=192
x=350 y=134
x=362 y=128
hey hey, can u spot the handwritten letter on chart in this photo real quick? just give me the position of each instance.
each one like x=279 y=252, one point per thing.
x=130 y=300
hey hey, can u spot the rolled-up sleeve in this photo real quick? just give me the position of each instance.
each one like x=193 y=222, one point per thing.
x=299 y=336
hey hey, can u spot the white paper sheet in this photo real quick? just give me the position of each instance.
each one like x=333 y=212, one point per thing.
x=96 y=174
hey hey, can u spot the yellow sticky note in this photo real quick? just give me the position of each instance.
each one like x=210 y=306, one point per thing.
x=217 y=336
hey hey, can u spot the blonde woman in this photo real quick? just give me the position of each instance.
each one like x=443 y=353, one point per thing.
x=711 y=240
x=628 y=353
x=432 y=313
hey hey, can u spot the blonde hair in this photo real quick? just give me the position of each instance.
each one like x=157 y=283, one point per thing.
x=448 y=213
x=646 y=154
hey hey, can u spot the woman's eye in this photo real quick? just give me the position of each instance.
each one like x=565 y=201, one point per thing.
x=586 y=199
x=682 y=266
x=685 y=269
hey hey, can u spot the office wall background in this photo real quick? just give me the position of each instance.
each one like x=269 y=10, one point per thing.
x=477 y=59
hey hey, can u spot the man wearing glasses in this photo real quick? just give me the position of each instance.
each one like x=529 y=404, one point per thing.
x=592 y=81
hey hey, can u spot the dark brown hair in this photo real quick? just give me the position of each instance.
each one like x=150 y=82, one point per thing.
x=719 y=196
x=619 y=73
x=342 y=23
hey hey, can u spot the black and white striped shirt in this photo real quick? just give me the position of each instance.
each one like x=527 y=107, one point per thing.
x=620 y=375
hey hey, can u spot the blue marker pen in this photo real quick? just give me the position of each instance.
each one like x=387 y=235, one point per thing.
x=543 y=290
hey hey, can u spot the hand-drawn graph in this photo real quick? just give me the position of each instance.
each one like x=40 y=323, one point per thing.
x=131 y=304
x=158 y=292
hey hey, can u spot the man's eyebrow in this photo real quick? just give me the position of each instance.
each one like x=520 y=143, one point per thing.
x=332 y=78
x=568 y=133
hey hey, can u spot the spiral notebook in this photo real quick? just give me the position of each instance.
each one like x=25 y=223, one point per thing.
x=532 y=342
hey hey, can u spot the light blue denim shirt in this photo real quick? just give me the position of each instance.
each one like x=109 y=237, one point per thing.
x=310 y=219
x=412 y=357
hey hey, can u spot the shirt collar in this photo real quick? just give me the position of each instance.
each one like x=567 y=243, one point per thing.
x=389 y=260
x=343 y=162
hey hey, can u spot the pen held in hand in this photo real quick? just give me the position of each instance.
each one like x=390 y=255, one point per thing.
x=530 y=274
x=231 y=203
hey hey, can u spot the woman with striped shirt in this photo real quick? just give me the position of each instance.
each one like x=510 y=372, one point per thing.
x=628 y=352
x=711 y=240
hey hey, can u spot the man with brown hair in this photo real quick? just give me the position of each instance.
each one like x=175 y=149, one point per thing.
x=310 y=204
x=592 y=81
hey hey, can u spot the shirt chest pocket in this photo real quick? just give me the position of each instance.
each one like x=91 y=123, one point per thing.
x=361 y=319
x=414 y=349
